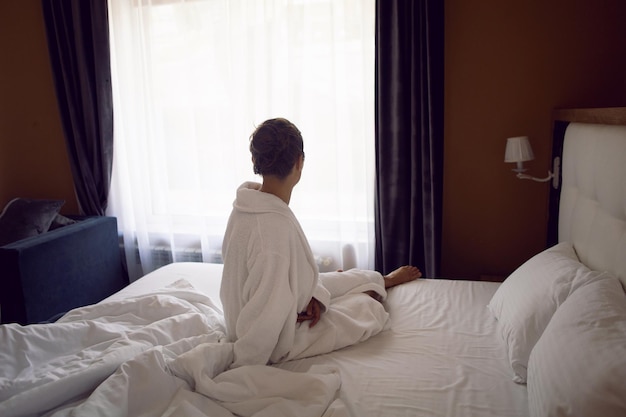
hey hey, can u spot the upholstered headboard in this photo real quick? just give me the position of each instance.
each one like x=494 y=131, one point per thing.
x=592 y=202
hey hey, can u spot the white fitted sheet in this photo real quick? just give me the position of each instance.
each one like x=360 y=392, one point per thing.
x=204 y=277
x=441 y=355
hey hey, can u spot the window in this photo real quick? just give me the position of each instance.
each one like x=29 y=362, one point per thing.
x=192 y=79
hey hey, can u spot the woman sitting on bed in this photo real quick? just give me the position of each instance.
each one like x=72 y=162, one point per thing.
x=271 y=284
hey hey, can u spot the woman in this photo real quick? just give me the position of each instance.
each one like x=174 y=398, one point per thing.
x=271 y=284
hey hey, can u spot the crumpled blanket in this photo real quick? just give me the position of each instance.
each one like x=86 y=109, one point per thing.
x=157 y=354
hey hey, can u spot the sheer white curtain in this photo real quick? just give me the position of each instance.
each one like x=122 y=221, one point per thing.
x=192 y=79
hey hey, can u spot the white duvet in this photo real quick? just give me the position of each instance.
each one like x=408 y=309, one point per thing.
x=440 y=356
x=162 y=353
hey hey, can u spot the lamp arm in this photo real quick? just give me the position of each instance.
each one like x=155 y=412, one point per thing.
x=529 y=177
x=554 y=176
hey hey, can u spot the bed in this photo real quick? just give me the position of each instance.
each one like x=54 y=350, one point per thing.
x=549 y=340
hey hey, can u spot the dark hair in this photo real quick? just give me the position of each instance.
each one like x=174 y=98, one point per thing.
x=275 y=146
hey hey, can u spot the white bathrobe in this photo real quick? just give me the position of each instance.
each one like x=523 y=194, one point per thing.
x=270 y=275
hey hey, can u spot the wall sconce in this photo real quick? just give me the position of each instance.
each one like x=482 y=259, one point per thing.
x=518 y=150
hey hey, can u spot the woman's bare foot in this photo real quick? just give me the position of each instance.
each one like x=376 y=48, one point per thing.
x=401 y=275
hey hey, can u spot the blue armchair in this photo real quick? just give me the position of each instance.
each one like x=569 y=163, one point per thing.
x=46 y=275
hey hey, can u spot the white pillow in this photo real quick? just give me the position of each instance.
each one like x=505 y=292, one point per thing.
x=525 y=302
x=578 y=366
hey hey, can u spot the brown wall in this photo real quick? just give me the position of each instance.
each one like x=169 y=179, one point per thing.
x=508 y=64
x=33 y=159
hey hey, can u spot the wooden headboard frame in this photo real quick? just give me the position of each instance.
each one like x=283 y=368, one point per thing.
x=594 y=140
x=605 y=116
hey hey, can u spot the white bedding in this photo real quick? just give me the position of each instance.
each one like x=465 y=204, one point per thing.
x=160 y=353
x=440 y=357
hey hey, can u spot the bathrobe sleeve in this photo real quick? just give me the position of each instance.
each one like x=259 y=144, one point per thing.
x=266 y=324
x=322 y=295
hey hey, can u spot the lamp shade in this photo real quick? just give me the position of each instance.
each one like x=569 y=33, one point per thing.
x=518 y=150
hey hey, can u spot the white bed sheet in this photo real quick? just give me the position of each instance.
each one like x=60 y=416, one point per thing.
x=204 y=277
x=441 y=355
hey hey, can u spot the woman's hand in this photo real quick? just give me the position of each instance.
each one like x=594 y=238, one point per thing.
x=313 y=312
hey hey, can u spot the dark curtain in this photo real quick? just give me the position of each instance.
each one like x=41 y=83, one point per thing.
x=409 y=134
x=78 y=43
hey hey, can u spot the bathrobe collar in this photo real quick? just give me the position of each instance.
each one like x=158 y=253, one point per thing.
x=251 y=200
